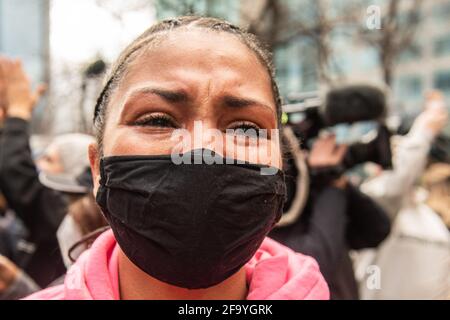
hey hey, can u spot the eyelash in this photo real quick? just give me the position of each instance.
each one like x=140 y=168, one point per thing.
x=245 y=126
x=154 y=120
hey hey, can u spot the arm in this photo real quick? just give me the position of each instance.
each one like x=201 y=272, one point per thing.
x=40 y=208
x=391 y=187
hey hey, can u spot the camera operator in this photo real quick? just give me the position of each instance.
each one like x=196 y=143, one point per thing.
x=336 y=218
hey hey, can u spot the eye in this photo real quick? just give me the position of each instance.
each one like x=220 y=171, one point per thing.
x=247 y=129
x=158 y=120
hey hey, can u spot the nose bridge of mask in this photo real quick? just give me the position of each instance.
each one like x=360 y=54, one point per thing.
x=249 y=146
x=204 y=136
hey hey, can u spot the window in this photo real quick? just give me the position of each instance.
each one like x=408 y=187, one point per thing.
x=414 y=52
x=442 y=46
x=296 y=66
x=229 y=10
x=281 y=63
x=409 y=87
x=442 y=81
x=441 y=12
x=366 y=60
x=288 y=63
x=309 y=72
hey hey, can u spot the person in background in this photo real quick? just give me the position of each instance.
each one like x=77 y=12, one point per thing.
x=84 y=218
x=13 y=234
x=26 y=183
x=415 y=259
x=336 y=219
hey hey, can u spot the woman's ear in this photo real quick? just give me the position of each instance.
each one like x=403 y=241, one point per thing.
x=94 y=160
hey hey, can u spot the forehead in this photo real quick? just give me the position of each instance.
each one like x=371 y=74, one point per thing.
x=191 y=58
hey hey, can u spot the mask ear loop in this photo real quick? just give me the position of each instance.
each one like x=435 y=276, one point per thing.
x=90 y=237
x=302 y=185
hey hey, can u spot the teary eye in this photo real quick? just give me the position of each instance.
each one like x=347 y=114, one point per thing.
x=247 y=129
x=156 y=120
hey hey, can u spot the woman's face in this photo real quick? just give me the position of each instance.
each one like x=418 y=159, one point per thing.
x=196 y=80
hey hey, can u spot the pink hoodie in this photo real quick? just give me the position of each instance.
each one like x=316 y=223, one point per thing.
x=274 y=273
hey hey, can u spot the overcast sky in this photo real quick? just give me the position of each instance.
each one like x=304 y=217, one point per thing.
x=79 y=30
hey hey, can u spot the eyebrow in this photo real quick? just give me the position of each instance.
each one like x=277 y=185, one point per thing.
x=180 y=96
x=238 y=102
x=173 y=96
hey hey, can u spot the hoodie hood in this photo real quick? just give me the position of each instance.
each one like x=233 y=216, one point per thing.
x=274 y=273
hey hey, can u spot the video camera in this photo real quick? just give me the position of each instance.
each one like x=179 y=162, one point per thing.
x=355 y=114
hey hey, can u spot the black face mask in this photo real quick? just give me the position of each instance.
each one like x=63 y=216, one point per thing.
x=189 y=225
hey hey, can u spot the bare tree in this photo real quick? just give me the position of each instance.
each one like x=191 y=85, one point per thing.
x=277 y=25
x=117 y=8
x=180 y=7
x=397 y=32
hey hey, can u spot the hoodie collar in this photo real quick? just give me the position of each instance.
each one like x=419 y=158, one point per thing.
x=274 y=273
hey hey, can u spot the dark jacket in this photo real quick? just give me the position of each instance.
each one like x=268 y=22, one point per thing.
x=333 y=222
x=13 y=240
x=41 y=209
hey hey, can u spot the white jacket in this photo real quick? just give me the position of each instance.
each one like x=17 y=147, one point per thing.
x=414 y=261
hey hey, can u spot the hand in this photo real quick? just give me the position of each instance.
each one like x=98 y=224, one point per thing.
x=326 y=153
x=435 y=116
x=340 y=183
x=20 y=99
x=8 y=273
x=3 y=98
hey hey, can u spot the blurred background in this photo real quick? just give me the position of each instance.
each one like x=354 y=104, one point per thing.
x=368 y=164
x=403 y=45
